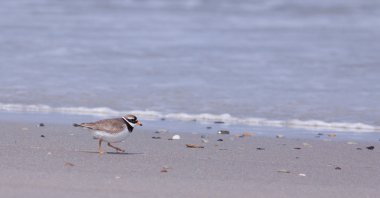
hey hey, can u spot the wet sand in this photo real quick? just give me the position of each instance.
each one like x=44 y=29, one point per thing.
x=61 y=161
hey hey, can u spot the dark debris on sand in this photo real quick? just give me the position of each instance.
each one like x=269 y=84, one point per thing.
x=370 y=148
x=218 y=122
x=193 y=146
x=68 y=164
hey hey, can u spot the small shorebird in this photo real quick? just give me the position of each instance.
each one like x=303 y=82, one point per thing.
x=112 y=130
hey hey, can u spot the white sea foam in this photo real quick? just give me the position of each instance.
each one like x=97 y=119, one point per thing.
x=99 y=111
x=204 y=117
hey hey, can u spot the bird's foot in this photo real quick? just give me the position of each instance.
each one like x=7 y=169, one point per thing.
x=120 y=150
x=116 y=148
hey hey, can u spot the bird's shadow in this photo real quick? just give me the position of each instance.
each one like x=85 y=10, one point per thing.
x=111 y=153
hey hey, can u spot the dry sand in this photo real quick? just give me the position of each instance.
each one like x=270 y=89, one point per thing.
x=64 y=163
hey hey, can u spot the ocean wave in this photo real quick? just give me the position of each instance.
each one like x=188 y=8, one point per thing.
x=204 y=117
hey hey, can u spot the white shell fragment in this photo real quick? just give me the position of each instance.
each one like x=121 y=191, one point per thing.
x=176 y=137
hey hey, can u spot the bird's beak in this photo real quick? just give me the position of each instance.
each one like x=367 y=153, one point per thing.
x=138 y=123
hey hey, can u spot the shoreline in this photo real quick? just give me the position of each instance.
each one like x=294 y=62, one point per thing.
x=196 y=127
x=291 y=123
x=61 y=160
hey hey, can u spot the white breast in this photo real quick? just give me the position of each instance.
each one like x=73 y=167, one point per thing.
x=111 y=137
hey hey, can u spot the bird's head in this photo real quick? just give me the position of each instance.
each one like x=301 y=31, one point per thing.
x=132 y=120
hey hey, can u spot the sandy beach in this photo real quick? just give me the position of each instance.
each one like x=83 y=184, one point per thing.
x=191 y=68
x=61 y=161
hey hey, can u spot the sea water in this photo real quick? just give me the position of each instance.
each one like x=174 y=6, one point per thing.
x=301 y=64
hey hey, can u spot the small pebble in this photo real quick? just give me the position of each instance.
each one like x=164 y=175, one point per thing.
x=359 y=149
x=332 y=135
x=24 y=129
x=279 y=136
x=297 y=148
x=117 y=177
x=283 y=171
x=204 y=140
x=370 y=148
x=155 y=137
x=161 y=131
x=208 y=127
x=352 y=143
x=245 y=134
x=338 y=168
x=41 y=125
x=223 y=132
x=42 y=136
x=219 y=122
x=220 y=140
x=302 y=175
x=68 y=164
x=165 y=169
x=260 y=149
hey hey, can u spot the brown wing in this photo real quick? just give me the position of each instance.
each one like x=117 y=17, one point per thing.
x=109 y=125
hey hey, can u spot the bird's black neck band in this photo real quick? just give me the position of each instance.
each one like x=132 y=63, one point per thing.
x=130 y=128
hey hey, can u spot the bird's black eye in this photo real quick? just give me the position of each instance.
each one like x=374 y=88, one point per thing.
x=132 y=121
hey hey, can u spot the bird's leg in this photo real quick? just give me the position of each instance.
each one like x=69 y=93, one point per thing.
x=100 y=147
x=117 y=149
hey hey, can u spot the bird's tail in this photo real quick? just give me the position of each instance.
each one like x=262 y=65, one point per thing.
x=85 y=125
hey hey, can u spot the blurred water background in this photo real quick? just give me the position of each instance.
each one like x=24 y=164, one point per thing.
x=253 y=62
